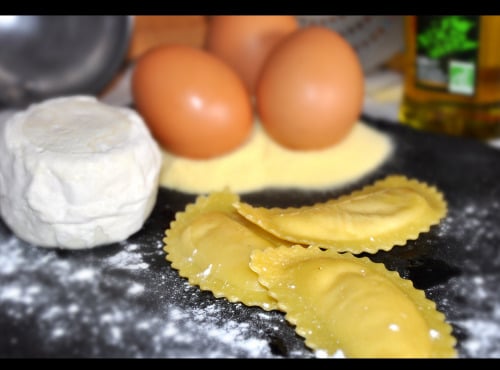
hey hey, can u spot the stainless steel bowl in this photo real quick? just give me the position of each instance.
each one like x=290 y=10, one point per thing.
x=48 y=56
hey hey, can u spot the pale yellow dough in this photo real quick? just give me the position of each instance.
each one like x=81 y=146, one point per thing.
x=341 y=302
x=262 y=163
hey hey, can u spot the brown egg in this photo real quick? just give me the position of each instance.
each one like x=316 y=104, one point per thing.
x=311 y=88
x=195 y=105
x=244 y=42
x=150 y=31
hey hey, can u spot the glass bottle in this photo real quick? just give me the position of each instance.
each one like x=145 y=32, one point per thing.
x=452 y=75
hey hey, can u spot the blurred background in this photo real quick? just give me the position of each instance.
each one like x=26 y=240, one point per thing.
x=44 y=56
x=378 y=40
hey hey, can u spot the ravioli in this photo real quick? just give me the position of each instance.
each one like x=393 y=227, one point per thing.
x=210 y=244
x=293 y=260
x=390 y=212
x=339 y=302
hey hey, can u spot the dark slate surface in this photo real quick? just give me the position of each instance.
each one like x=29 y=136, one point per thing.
x=125 y=300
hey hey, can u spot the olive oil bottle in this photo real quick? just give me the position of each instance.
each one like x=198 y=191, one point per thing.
x=452 y=75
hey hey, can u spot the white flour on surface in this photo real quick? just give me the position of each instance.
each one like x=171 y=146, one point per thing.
x=125 y=307
x=478 y=233
x=120 y=327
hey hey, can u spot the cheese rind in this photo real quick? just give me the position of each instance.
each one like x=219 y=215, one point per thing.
x=76 y=173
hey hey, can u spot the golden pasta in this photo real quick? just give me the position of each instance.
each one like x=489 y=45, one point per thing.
x=294 y=260
x=377 y=217
x=341 y=302
x=210 y=244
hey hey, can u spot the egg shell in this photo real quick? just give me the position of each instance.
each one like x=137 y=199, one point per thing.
x=244 y=42
x=195 y=105
x=311 y=89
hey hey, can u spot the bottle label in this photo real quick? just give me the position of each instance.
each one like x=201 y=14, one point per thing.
x=447 y=53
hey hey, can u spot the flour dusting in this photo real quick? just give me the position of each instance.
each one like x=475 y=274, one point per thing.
x=477 y=323
x=125 y=300
x=70 y=297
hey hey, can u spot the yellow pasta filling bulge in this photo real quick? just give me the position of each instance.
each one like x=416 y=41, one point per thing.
x=341 y=302
x=210 y=244
x=377 y=217
x=345 y=301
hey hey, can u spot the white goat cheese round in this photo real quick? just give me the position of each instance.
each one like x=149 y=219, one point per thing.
x=77 y=173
